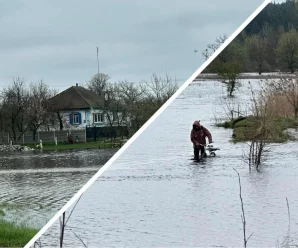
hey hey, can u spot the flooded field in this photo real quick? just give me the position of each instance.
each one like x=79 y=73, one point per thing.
x=35 y=185
x=156 y=196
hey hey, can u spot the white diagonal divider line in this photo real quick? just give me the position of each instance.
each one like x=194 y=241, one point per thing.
x=142 y=129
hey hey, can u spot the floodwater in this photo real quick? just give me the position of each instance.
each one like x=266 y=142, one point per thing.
x=35 y=185
x=154 y=195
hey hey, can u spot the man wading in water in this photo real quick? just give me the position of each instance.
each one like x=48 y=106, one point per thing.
x=198 y=138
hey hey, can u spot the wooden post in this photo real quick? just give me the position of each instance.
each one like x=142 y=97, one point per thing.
x=38 y=138
x=86 y=134
x=94 y=133
x=55 y=138
x=7 y=138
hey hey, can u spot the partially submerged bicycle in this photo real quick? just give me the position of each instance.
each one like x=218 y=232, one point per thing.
x=211 y=150
x=208 y=148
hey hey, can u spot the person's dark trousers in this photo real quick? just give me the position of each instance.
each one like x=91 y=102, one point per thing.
x=197 y=151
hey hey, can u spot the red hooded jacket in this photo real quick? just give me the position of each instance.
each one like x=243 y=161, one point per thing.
x=198 y=137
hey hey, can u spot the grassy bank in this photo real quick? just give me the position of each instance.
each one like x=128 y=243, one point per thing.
x=101 y=144
x=245 y=127
x=12 y=235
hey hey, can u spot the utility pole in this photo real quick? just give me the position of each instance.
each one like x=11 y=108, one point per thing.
x=97 y=61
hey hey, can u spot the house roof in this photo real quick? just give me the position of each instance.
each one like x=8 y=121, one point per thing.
x=76 y=97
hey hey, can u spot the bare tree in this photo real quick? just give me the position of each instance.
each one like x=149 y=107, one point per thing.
x=116 y=110
x=245 y=240
x=15 y=103
x=158 y=90
x=211 y=48
x=38 y=111
x=133 y=98
x=98 y=83
x=259 y=138
x=231 y=107
x=134 y=103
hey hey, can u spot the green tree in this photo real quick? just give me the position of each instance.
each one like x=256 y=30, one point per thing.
x=229 y=64
x=287 y=49
x=271 y=36
x=257 y=50
x=228 y=73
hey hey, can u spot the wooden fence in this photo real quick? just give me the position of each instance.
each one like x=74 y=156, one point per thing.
x=45 y=136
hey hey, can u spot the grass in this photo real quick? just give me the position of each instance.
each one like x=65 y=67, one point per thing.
x=100 y=144
x=245 y=128
x=2 y=213
x=231 y=123
x=12 y=235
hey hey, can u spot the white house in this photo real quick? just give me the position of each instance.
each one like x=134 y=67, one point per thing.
x=79 y=107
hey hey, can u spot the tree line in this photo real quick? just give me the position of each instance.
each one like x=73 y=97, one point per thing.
x=268 y=44
x=24 y=107
x=135 y=102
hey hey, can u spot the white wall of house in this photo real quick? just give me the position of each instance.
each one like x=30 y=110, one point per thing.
x=75 y=126
x=101 y=118
x=89 y=117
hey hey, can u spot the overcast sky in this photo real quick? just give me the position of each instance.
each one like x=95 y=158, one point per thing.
x=56 y=40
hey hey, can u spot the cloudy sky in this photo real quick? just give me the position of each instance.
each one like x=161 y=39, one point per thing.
x=56 y=40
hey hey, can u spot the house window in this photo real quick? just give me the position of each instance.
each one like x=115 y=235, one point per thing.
x=98 y=118
x=76 y=118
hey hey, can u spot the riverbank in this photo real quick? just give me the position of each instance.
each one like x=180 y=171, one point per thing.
x=50 y=146
x=102 y=144
x=274 y=75
x=13 y=235
x=244 y=128
x=14 y=148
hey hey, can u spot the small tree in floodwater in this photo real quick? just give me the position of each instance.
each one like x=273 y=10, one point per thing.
x=228 y=73
x=259 y=138
x=228 y=64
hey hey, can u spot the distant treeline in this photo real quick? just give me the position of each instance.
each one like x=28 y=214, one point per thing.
x=269 y=43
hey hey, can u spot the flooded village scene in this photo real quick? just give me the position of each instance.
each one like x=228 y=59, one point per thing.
x=244 y=195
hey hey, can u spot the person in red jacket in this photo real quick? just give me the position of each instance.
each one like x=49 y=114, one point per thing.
x=198 y=138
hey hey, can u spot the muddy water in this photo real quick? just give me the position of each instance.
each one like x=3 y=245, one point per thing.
x=155 y=196
x=34 y=185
